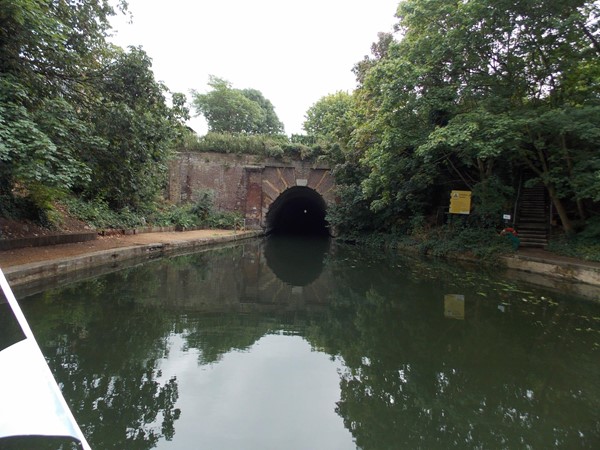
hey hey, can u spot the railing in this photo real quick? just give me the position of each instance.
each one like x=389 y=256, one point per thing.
x=516 y=208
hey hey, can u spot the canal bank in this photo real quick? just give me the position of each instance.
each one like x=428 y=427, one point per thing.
x=35 y=265
x=59 y=263
x=547 y=269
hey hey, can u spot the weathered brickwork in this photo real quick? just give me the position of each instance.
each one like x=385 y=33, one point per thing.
x=245 y=183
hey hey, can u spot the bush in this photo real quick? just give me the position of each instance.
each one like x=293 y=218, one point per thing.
x=585 y=245
x=98 y=214
x=200 y=214
x=180 y=216
x=273 y=146
x=224 y=220
x=491 y=199
x=204 y=204
x=444 y=241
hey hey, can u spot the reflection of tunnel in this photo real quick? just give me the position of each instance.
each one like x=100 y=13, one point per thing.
x=295 y=260
x=298 y=210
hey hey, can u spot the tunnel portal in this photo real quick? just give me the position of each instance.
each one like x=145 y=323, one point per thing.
x=298 y=210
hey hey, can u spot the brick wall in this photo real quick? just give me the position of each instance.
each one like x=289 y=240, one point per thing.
x=244 y=183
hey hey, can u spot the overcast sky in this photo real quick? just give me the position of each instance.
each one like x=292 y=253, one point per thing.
x=294 y=52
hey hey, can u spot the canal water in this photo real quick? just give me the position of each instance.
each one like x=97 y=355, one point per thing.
x=309 y=344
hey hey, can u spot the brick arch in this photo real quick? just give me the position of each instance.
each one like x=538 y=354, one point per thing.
x=298 y=209
x=245 y=183
x=277 y=181
x=265 y=184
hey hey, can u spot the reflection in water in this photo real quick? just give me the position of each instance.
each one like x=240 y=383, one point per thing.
x=10 y=331
x=264 y=397
x=296 y=260
x=454 y=306
x=215 y=350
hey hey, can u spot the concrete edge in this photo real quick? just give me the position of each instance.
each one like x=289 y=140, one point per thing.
x=34 y=272
x=564 y=271
x=47 y=240
x=582 y=278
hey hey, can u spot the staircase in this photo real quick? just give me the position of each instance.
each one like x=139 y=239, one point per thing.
x=532 y=217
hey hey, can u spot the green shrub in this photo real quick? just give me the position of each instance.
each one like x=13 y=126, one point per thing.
x=585 y=245
x=491 y=199
x=181 y=217
x=481 y=243
x=203 y=206
x=224 y=220
x=200 y=214
x=274 y=146
x=98 y=214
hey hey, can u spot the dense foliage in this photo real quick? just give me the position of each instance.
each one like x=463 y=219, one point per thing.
x=264 y=146
x=472 y=95
x=229 y=110
x=195 y=215
x=77 y=114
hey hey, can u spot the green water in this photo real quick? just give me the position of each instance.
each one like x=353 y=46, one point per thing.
x=307 y=345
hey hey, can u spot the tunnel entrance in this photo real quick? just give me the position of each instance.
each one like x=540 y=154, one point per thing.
x=298 y=210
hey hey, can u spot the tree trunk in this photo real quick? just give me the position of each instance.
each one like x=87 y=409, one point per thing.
x=560 y=209
x=581 y=209
x=563 y=144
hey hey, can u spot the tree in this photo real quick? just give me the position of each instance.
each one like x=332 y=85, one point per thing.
x=229 y=110
x=77 y=113
x=331 y=117
x=469 y=90
x=137 y=129
x=48 y=54
x=29 y=158
x=331 y=123
x=271 y=123
x=379 y=50
x=50 y=46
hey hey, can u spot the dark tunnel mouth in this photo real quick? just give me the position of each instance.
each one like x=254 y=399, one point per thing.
x=299 y=211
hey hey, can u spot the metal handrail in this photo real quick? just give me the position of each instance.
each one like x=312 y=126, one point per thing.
x=514 y=221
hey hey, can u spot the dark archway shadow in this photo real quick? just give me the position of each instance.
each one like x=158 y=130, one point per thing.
x=299 y=211
x=296 y=260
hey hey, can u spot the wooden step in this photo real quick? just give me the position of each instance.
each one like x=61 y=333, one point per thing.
x=532 y=226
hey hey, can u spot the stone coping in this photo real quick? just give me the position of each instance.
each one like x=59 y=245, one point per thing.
x=50 y=239
x=574 y=276
x=584 y=278
x=113 y=258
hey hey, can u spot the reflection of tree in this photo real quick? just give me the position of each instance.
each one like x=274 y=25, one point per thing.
x=11 y=331
x=110 y=381
x=38 y=443
x=104 y=338
x=414 y=379
x=217 y=335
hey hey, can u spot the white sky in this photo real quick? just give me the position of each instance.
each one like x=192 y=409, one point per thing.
x=293 y=52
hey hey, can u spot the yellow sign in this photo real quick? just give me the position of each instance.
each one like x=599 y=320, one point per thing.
x=454 y=306
x=460 y=202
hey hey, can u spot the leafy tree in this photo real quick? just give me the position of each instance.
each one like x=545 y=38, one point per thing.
x=379 y=50
x=330 y=124
x=77 y=113
x=470 y=92
x=229 y=110
x=331 y=117
x=49 y=46
x=48 y=53
x=138 y=130
x=271 y=123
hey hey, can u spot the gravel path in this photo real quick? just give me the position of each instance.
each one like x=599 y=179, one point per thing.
x=20 y=256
